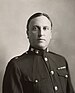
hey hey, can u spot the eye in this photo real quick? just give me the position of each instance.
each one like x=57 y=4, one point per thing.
x=35 y=28
x=45 y=28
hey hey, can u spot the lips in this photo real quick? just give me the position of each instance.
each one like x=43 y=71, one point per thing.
x=41 y=39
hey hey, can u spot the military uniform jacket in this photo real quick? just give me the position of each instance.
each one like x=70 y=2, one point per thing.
x=37 y=71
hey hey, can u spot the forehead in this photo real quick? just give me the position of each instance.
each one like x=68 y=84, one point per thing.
x=40 y=21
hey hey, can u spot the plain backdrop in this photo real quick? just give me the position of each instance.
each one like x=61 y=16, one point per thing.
x=13 y=38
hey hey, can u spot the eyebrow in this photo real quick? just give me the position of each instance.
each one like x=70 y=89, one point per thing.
x=36 y=26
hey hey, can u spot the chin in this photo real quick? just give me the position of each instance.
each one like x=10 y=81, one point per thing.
x=41 y=46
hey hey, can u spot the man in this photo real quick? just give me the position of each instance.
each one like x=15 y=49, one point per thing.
x=38 y=70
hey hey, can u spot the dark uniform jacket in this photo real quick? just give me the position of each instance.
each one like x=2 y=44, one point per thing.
x=37 y=71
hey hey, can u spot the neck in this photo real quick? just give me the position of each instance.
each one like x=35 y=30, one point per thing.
x=38 y=48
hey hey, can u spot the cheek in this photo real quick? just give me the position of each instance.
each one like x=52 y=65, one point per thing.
x=33 y=36
x=48 y=35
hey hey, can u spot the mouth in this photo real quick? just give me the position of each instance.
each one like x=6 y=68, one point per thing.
x=40 y=39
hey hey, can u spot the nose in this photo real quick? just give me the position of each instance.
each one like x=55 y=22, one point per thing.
x=41 y=32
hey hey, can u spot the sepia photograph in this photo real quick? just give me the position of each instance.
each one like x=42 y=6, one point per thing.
x=37 y=46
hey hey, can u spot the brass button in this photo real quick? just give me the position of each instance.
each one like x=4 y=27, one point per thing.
x=56 y=88
x=37 y=51
x=46 y=59
x=36 y=80
x=52 y=72
x=66 y=76
x=32 y=49
x=26 y=52
x=16 y=57
x=47 y=50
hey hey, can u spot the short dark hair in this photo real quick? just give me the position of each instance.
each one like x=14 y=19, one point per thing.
x=37 y=15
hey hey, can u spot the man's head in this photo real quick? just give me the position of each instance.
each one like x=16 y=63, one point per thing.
x=39 y=28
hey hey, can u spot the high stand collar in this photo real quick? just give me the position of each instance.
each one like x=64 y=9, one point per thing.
x=37 y=51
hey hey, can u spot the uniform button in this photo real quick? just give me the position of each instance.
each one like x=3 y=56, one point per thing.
x=56 y=88
x=37 y=51
x=36 y=80
x=16 y=57
x=66 y=76
x=52 y=72
x=26 y=52
x=46 y=59
x=47 y=50
x=32 y=49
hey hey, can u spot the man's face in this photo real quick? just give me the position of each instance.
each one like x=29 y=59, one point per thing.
x=39 y=32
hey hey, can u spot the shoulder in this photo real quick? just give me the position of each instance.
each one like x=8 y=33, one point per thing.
x=59 y=59
x=13 y=66
x=20 y=61
x=53 y=54
x=14 y=61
